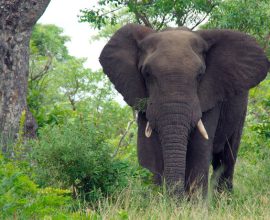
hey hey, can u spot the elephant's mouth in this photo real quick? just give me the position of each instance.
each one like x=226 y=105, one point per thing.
x=200 y=126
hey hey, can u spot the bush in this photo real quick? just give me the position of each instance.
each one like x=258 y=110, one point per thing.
x=20 y=197
x=255 y=143
x=76 y=155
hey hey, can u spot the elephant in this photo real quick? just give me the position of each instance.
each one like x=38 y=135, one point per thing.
x=194 y=86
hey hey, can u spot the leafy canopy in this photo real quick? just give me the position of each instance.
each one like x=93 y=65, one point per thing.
x=156 y=14
x=248 y=16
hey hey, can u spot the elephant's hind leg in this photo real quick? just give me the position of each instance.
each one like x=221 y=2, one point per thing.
x=227 y=141
x=224 y=162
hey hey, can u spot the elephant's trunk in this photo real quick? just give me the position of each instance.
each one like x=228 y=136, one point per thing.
x=174 y=127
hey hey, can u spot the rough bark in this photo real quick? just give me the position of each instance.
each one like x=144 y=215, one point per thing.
x=17 y=18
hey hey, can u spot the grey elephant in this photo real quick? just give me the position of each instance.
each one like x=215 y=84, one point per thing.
x=196 y=84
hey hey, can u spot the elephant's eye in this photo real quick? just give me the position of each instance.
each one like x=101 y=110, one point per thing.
x=204 y=55
x=146 y=74
x=146 y=71
x=141 y=69
x=199 y=76
x=201 y=73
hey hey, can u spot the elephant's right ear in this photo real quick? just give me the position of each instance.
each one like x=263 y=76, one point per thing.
x=119 y=60
x=235 y=63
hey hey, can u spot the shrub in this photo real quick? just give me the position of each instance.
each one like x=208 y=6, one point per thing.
x=20 y=196
x=255 y=141
x=76 y=155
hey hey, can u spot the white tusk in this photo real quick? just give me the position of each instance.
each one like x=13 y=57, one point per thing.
x=148 y=130
x=202 y=129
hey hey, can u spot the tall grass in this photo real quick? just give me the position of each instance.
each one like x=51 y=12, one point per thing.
x=140 y=200
x=249 y=200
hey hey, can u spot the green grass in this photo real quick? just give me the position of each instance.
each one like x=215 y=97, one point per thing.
x=22 y=195
x=249 y=200
x=140 y=200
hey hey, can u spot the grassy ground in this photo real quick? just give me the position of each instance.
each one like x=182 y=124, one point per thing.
x=250 y=200
x=21 y=199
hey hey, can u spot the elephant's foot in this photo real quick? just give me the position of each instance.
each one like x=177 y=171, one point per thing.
x=157 y=179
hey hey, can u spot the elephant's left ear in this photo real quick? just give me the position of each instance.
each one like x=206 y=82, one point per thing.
x=234 y=63
x=119 y=59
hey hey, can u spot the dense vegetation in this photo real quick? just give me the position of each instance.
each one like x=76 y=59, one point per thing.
x=84 y=164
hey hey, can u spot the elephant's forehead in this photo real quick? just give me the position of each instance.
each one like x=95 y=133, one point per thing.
x=176 y=50
x=171 y=39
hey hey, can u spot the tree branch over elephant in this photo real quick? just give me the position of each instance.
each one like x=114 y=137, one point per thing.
x=196 y=85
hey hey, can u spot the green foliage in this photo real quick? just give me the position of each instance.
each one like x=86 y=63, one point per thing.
x=248 y=16
x=156 y=14
x=48 y=40
x=20 y=196
x=48 y=49
x=250 y=200
x=76 y=154
x=60 y=88
x=141 y=104
x=87 y=140
x=80 y=127
x=255 y=142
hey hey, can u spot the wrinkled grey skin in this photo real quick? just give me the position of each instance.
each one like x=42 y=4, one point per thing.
x=186 y=76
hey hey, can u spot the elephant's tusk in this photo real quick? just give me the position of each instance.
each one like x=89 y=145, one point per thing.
x=148 y=130
x=202 y=129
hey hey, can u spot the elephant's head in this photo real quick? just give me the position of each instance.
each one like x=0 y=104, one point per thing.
x=181 y=74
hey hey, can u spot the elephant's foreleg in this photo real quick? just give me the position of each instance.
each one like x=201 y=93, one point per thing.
x=157 y=179
x=199 y=154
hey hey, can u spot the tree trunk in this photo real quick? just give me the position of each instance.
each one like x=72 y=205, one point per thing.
x=17 y=19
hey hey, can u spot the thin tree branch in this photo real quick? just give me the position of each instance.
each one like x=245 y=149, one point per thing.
x=206 y=15
x=109 y=12
x=123 y=137
x=143 y=18
x=72 y=102
x=184 y=20
x=44 y=71
x=162 y=23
